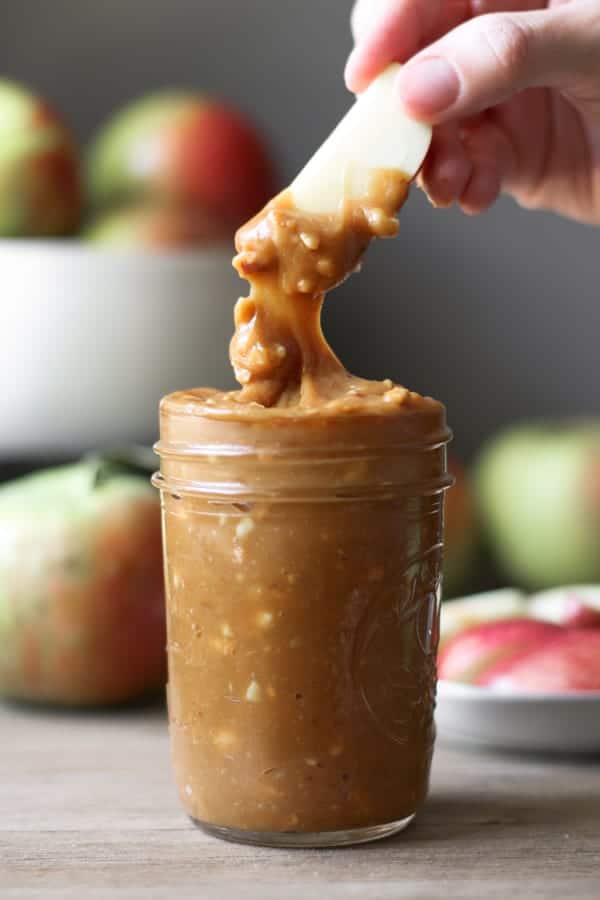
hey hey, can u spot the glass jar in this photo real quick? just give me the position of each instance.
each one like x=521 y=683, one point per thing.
x=303 y=563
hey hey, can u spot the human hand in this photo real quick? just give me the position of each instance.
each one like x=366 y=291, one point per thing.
x=512 y=86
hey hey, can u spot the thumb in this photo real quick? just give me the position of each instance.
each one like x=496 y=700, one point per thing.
x=489 y=58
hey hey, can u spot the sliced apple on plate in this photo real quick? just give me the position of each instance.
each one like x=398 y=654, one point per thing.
x=375 y=134
x=566 y=664
x=489 y=606
x=548 y=643
x=575 y=607
x=474 y=655
x=524 y=655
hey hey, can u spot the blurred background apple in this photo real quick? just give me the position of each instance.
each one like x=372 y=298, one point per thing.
x=158 y=225
x=81 y=586
x=40 y=189
x=185 y=148
x=539 y=496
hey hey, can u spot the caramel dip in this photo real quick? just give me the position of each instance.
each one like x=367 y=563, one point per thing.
x=303 y=537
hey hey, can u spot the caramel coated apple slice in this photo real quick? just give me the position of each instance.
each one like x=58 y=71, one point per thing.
x=375 y=134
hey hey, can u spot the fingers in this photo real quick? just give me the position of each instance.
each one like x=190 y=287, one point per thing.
x=388 y=31
x=447 y=168
x=365 y=15
x=468 y=164
x=493 y=160
x=488 y=59
x=529 y=119
x=393 y=30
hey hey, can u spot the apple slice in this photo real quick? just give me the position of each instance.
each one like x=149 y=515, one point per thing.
x=487 y=607
x=375 y=134
x=470 y=655
x=569 y=663
x=574 y=607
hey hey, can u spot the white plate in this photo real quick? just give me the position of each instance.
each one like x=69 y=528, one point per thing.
x=542 y=723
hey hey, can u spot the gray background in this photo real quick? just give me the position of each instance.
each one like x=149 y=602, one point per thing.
x=498 y=316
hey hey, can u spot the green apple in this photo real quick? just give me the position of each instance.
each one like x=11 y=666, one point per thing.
x=40 y=190
x=539 y=495
x=186 y=148
x=81 y=586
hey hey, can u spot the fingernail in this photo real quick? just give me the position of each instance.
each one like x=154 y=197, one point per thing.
x=428 y=86
x=349 y=77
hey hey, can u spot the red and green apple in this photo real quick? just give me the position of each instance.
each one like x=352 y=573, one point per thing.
x=185 y=148
x=518 y=655
x=81 y=587
x=40 y=186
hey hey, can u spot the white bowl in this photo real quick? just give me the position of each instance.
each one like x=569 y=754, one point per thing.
x=542 y=723
x=92 y=338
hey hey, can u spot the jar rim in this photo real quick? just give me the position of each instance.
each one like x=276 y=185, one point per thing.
x=348 y=456
x=227 y=492
x=297 y=452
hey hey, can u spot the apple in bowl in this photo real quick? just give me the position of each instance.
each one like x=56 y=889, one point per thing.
x=40 y=187
x=157 y=226
x=184 y=148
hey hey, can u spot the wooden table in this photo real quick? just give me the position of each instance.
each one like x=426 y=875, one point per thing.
x=88 y=811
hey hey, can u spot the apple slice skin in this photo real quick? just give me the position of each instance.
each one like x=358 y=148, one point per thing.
x=567 y=664
x=582 y=616
x=471 y=654
x=477 y=609
x=575 y=607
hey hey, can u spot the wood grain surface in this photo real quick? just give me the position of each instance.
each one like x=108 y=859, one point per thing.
x=88 y=810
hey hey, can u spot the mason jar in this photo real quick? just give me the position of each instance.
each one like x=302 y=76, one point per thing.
x=303 y=558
